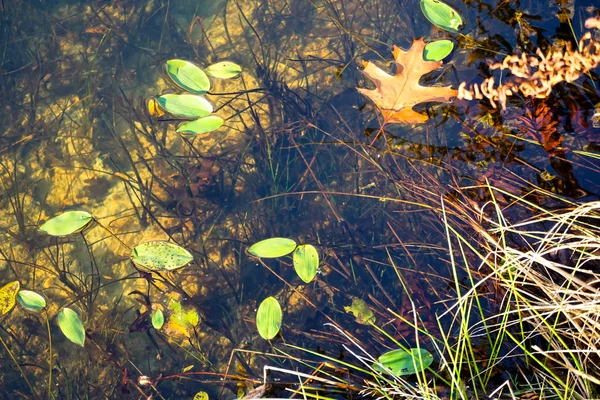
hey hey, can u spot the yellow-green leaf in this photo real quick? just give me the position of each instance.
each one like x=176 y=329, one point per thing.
x=402 y=362
x=268 y=318
x=161 y=255
x=361 y=311
x=158 y=319
x=306 y=262
x=202 y=125
x=71 y=326
x=438 y=50
x=8 y=296
x=67 y=223
x=441 y=15
x=201 y=396
x=223 y=70
x=272 y=248
x=31 y=300
x=188 y=76
x=185 y=105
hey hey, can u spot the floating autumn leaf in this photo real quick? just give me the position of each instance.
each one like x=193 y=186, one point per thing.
x=395 y=95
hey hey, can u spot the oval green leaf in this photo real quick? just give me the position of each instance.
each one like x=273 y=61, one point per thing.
x=8 y=296
x=158 y=319
x=272 y=248
x=185 y=105
x=306 y=262
x=67 y=223
x=223 y=70
x=402 y=362
x=438 y=50
x=441 y=15
x=161 y=255
x=268 y=318
x=188 y=76
x=31 y=300
x=71 y=326
x=202 y=125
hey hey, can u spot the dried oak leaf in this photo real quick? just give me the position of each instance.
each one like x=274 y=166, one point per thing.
x=396 y=95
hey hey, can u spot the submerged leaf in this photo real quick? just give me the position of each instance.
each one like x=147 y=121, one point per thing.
x=71 y=326
x=306 y=262
x=8 y=296
x=188 y=76
x=31 y=300
x=441 y=15
x=223 y=70
x=202 y=125
x=158 y=319
x=268 y=318
x=67 y=223
x=161 y=255
x=185 y=105
x=438 y=50
x=201 y=396
x=272 y=248
x=402 y=362
x=153 y=108
x=361 y=311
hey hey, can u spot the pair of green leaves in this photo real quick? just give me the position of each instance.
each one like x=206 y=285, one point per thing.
x=444 y=17
x=305 y=256
x=194 y=80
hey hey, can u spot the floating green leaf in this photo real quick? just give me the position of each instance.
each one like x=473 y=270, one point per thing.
x=31 y=300
x=306 y=262
x=67 y=223
x=201 y=396
x=71 y=326
x=402 y=362
x=161 y=255
x=202 y=125
x=188 y=76
x=8 y=296
x=441 y=15
x=185 y=105
x=268 y=318
x=361 y=311
x=438 y=50
x=272 y=248
x=158 y=319
x=223 y=70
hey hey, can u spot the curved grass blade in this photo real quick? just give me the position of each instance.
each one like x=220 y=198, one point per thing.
x=71 y=326
x=30 y=300
x=67 y=223
x=8 y=296
x=185 y=105
x=442 y=15
x=160 y=255
x=402 y=362
x=158 y=319
x=306 y=262
x=272 y=248
x=223 y=70
x=202 y=125
x=188 y=76
x=268 y=318
x=438 y=50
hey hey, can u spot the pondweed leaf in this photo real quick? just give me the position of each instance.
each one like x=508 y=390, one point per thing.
x=31 y=300
x=201 y=396
x=402 y=362
x=71 y=326
x=8 y=296
x=182 y=321
x=441 y=15
x=268 y=318
x=161 y=255
x=67 y=223
x=158 y=319
x=185 y=105
x=438 y=50
x=153 y=108
x=188 y=76
x=306 y=262
x=361 y=311
x=272 y=248
x=202 y=125
x=223 y=70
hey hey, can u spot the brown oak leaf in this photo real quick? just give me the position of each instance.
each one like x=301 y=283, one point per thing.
x=395 y=95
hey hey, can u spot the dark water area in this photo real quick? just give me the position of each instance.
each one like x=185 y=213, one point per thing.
x=301 y=155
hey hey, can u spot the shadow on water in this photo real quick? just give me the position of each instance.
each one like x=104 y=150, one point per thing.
x=302 y=155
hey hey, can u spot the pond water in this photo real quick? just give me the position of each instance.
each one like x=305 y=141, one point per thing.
x=302 y=155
